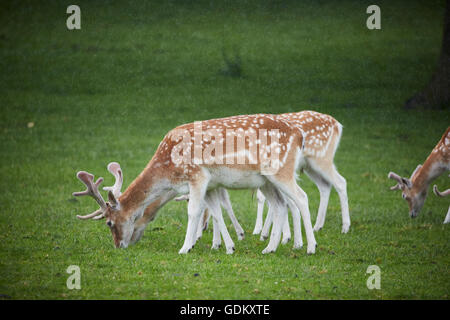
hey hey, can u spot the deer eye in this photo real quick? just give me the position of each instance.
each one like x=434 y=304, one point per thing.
x=109 y=223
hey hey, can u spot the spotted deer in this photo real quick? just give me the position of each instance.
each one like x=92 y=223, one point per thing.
x=322 y=137
x=199 y=157
x=415 y=189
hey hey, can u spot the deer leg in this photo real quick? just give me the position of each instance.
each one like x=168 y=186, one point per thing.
x=217 y=240
x=269 y=220
x=324 y=189
x=299 y=197
x=278 y=206
x=259 y=216
x=329 y=174
x=340 y=184
x=286 y=229
x=226 y=203
x=213 y=200
x=203 y=223
x=196 y=206
x=296 y=221
x=266 y=228
x=205 y=220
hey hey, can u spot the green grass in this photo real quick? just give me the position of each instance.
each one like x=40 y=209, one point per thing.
x=112 y=90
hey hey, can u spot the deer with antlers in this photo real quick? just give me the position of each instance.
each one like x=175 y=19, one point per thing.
x=199 y=157
x=322 y=137
x=415 y=189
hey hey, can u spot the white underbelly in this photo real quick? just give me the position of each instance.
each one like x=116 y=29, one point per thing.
x=182 y=188
x=234 y=178
x=228 y=178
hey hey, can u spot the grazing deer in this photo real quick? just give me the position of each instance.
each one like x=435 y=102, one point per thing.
x=414 y=189
x=443 y=194
x=198 y=157
x=322 y=137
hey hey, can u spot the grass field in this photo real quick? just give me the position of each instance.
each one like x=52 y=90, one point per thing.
x=76 y=100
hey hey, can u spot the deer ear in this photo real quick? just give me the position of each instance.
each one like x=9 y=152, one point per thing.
x=407 y=182
x=113 y=201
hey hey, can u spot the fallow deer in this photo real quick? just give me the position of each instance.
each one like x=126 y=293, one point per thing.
x=322 y=137
x=173 y=170
x=415 y=189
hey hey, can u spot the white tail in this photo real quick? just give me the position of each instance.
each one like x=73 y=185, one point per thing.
x=197 y=157
x=415 y=189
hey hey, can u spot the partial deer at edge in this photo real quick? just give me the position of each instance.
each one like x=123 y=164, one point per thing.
x=415 y=189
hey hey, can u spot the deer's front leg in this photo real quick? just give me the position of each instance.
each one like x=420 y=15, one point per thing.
x=212 y=199
x=278 y=208
x=196 y=206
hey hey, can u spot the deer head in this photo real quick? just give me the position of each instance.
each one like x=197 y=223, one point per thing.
x=120 y=224
x=414 y=193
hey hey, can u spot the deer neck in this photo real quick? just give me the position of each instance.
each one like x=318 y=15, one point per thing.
x=430 y=170
x=147 y=191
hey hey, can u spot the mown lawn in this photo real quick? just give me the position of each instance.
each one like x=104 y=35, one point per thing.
x=77 y=100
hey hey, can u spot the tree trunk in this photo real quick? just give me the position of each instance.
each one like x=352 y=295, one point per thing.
x=437 y=93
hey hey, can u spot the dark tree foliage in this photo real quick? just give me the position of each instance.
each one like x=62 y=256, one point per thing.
x=436 y=94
